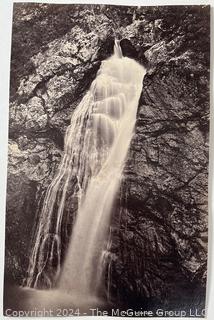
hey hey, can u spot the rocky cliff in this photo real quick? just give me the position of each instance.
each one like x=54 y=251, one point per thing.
x=159 y=229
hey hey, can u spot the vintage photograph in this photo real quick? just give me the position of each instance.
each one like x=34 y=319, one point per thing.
x=107 y=186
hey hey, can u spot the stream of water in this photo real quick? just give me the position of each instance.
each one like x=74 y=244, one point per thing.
x=96 y=147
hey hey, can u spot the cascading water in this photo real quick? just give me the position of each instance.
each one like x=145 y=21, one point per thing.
x=96 y=146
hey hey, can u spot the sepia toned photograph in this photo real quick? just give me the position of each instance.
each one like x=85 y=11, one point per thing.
x=107 y=183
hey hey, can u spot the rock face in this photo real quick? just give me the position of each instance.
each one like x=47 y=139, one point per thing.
x=159 y=229
x=164 y=213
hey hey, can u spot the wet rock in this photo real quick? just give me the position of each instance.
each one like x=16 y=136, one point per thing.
x=128 y=49
x=107 y=48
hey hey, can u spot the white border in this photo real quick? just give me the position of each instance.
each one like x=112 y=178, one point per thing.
x=5 y=49
x=123 y=2
x=5 y=40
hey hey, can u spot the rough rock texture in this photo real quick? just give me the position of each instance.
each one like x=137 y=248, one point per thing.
x=159 y=234
x=164 y=216
x=163 y=223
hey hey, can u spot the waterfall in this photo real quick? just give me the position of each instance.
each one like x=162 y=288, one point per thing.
x=96 y=146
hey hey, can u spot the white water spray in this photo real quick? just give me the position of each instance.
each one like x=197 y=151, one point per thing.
x=96 y=146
